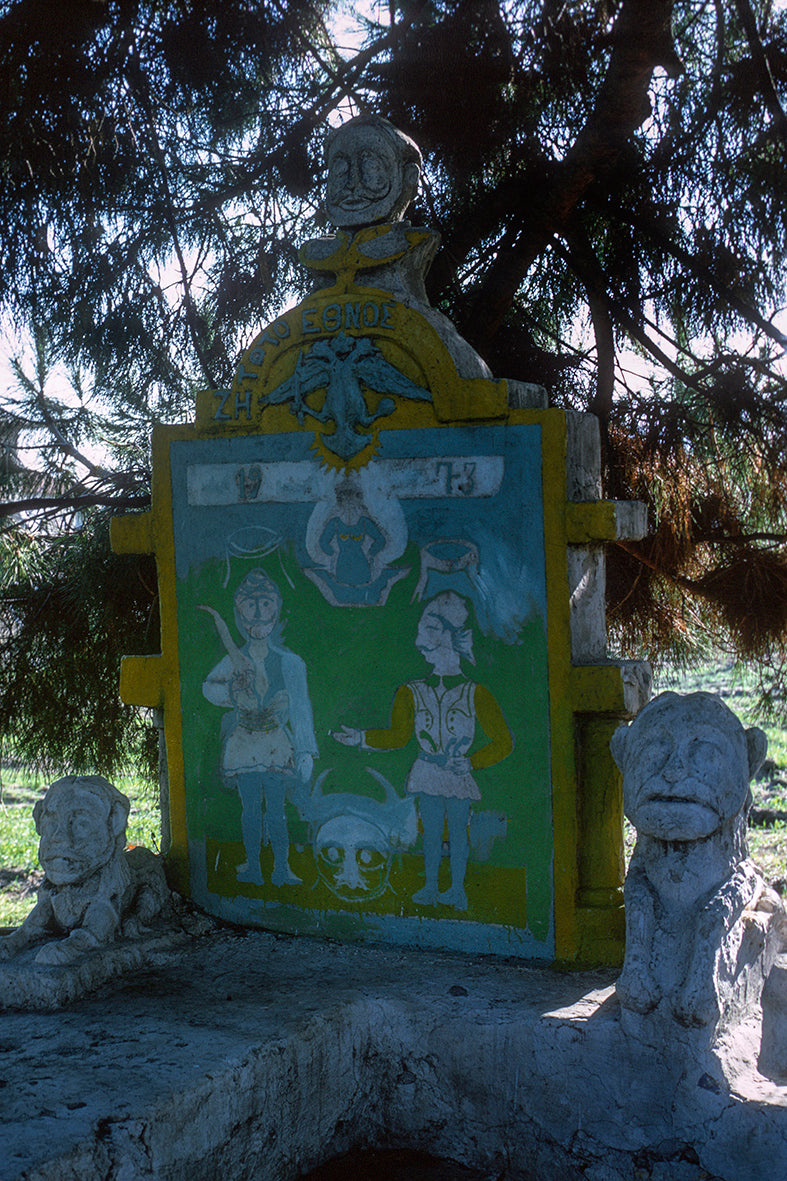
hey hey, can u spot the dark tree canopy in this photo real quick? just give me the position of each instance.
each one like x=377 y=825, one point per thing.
x=608 y=180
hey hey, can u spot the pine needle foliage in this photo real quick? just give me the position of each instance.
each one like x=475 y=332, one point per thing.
x=608 y=180
x=67 y=607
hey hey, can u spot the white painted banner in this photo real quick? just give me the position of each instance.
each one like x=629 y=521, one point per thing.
x=416 y=478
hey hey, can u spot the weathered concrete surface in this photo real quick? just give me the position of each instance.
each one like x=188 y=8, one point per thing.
x=25 y=984
x=259 y=1056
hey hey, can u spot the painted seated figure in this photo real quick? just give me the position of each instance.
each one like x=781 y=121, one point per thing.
x=696 y=948
x=94 y=890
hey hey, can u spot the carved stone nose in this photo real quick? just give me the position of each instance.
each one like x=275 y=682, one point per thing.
x=353 y=177
x=675 y=767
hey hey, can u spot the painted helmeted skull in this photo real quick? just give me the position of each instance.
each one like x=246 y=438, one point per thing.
x=356 y=838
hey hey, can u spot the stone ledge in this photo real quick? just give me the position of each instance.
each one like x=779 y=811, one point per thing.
x=260 y=1056
x=30 y=986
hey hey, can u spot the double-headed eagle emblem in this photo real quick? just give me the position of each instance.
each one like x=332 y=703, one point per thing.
x=342 y=366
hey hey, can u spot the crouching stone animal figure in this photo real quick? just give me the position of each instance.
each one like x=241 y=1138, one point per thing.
x=702 y=928
x=93 y=890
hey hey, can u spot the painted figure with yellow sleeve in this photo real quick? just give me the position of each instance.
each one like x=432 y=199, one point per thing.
x=442 y=710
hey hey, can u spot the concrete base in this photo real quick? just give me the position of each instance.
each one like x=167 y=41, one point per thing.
x=24 y=984
x=260 y=1056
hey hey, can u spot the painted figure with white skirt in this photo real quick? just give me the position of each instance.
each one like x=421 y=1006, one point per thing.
x=268 y=743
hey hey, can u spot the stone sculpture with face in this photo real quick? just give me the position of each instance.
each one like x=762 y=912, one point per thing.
x=373 y=173
x=686 y=765
x=91 y=883
x=82 y=825
x=695 y=950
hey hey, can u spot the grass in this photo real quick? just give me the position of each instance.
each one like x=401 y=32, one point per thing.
x=20 y=873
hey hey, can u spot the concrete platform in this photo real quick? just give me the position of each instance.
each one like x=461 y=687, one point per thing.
x=260 y=1056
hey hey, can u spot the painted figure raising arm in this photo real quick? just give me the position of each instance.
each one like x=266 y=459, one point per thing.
x=442 y=711
x=268 y=746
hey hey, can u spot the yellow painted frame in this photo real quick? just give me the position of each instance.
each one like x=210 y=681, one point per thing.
x=586 y=703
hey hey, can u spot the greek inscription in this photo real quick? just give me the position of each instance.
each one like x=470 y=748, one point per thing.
x=459 y=477
x=332 y=317
x=244 y=374
x=307 y=322
x=352 y=315
x=220 y=414
x=243 y=402
x=248 y=480
x=274 y=335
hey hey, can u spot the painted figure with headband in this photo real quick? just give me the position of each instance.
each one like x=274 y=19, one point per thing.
x=443 y=711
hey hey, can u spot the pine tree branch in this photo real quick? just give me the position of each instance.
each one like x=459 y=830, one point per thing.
x=588 y=269
x=36 y=391
x=764 y=76
x=11 y=508
x=258 y=163
x=740 y=538
x=603 y=330
x=700 y=271
x=194 y=321
x=642 y=41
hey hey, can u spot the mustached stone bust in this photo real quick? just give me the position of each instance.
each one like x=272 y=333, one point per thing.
x=696 y=948
x=373 y=174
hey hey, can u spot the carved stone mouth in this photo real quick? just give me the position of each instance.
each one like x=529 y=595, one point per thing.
x=661 y=798
x=675 y=817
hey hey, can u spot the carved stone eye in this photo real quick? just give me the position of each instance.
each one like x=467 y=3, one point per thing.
x=375 y=176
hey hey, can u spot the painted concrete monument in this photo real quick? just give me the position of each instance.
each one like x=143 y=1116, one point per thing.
x=386 y=692
x=702 y=928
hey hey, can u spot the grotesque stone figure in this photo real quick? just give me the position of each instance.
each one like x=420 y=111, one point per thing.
x=93 y=889
x=696 y=949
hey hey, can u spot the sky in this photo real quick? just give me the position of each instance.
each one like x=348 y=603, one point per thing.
x=349 y=30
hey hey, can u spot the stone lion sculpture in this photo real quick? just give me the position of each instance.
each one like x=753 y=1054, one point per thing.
x=94 y=889
x=696 y=948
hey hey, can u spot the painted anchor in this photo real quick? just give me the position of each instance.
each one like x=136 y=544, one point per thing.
x=339 y=366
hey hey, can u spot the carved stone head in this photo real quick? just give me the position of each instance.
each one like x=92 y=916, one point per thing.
x=82 y=825
x=687 y=762
x=373 y=173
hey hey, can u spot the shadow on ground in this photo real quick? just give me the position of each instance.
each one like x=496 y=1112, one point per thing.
x=392 y=1165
